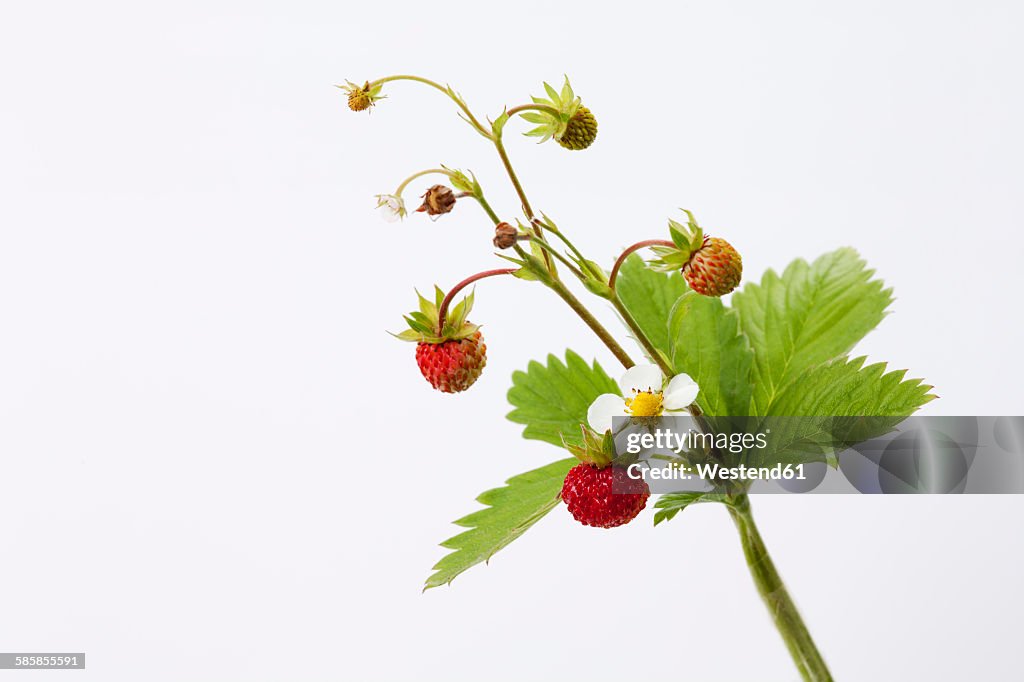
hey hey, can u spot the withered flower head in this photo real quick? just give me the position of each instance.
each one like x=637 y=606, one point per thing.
x=505 y=235
x=437 y=200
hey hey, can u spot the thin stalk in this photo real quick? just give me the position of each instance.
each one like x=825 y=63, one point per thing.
x=500 y=146
x=631 y=249
x=487 y=208
x=780 y=605
x=470 y=118
x=442 y=311
x=533 y=107
x=420 y=174
x=561 y=259
x=641 y=337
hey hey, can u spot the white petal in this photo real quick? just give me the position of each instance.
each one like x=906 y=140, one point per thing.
x=388 y=214
x=601 y=411
x=641 y=378
x=681 y=391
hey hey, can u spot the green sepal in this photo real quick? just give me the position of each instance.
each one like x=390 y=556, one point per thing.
x=566 y=103
x=596 y=449
x=423 y=323
x=463 y=182
x=687 y=239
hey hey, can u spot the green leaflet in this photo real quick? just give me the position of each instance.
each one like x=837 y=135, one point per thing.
x=808 y=316
x=552 y=400
x=649 y=296
x=670 y=504
x=509 y=512
x=705 y=342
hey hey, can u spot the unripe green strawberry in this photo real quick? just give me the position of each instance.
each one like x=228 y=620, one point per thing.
x=561 y=116
x=714 y=269
x=452 y=366
x=580 y=131
x=711 y=266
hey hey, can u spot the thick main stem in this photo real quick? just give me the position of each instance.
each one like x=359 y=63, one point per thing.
x=780 y=605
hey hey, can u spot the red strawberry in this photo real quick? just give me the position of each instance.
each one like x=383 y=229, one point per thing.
x=452 y=366
x=452 y=354
x=603 y=498
x=714 y=269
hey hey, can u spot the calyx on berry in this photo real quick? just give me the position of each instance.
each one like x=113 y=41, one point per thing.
x=574 y=126
x=597 y=449
x=710 y=265
x=424 y=324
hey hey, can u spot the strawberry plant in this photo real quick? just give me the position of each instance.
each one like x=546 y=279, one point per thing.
x=780 y=347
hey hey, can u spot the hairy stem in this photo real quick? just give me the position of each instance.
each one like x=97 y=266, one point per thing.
x=780 y=605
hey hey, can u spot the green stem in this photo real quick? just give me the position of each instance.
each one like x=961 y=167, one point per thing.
x=534 y=107
x=500 y=146
x=420 y=174
x=561 y=259
x=780 y=605
x=595 y=326
x=470 y=118
x=641 y=337
x=487 y=208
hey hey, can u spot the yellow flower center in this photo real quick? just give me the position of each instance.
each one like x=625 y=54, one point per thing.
x=645 y=404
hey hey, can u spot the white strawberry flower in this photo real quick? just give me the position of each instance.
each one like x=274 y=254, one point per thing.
x=391 y=206
x=644 y=394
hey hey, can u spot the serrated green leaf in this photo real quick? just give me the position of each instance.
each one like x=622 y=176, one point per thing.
x=849 y=388
x=552 y=399
x=706 y=343
x=649 y=296
x=808 y=316
x=867 y=400
x=670 y=504
x=509 y=512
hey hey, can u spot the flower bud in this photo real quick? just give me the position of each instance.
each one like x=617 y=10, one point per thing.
x=505 y=236
x=437 y=200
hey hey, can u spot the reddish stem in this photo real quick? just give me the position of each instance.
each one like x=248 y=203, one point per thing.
x=442 y=312
x=631 y=249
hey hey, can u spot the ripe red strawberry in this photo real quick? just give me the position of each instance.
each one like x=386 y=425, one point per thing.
x=452 y=366
x=604 y=498
x=714 y=269
x=451 y=355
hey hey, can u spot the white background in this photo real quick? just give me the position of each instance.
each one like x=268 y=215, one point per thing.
x=217 y=465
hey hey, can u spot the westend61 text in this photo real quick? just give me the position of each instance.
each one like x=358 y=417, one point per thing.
x=716 y=472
